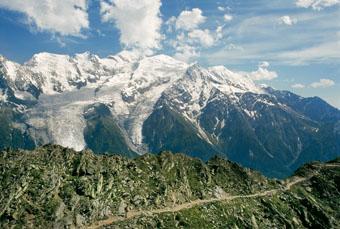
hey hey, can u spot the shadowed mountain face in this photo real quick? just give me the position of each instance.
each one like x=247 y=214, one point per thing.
x=53 y=186
x=130 y=105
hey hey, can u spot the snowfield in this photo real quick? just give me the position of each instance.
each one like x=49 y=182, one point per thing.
x=130 y=85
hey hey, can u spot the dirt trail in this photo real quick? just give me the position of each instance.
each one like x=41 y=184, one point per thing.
x=332 y=165
x=176 y=208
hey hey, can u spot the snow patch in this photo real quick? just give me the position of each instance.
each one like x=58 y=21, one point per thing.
x=3 y=96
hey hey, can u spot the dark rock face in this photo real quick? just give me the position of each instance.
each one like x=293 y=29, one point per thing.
x=10 y=135
x=58 y=187
x=269 y=133
x=102 y=134
x=165 y=129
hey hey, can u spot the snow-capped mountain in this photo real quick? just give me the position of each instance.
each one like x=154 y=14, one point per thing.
x=130 y=104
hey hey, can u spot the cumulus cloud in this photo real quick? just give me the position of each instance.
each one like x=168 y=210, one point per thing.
x=66 y=18
x=262 y=73
x=227 y=17
x=287 y=20
x=323 y=83
x=316 y=4
x=203 y=37
x=138 y=21
x=189 y=19
x=189 y=43
x=298 y=86
x=186 y=52
x=186 y=48
x=190 y=36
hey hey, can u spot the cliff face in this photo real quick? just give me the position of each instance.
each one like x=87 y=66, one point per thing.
x=56 y=187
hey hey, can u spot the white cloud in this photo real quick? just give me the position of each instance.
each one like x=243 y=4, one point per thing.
x=264 y=64
x=189 y=20
x=262 y=73
x=61 y=17
x=318 y=43
x=298 y=86
x=316 y=4
x=219 y=32
x=188 y=44
x=191 y=38
x=186 y=53
x=320 y=53
x=221 y=8
x=203 y=37
x=185 y=50
x=138 y=21
x=287 y=20
x=323 y=83
x=170 y=23
x=228 y=17
x=233 y=47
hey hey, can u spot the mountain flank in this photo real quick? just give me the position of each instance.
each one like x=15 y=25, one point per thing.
x=53 y=186
x=132 y=105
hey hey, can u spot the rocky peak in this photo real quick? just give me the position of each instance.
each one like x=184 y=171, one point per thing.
x=2 y=58
x=45 y=58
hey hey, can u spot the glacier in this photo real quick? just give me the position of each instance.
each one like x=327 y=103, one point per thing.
x=128 y=83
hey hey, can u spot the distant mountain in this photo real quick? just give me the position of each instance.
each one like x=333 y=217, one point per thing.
x=131 y=105
x=55 y=187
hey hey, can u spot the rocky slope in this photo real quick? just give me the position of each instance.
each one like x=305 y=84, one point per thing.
x=58 y=187
x=131 y=105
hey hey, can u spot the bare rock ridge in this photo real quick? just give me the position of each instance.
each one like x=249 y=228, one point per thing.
x=57 y=187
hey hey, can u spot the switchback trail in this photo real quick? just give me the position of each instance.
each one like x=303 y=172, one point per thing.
x=132 y=214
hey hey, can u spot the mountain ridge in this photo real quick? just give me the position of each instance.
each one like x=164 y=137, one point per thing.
x=59 y=187
x=206 y=111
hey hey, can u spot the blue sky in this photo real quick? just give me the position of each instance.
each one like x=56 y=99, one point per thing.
x=288 y=44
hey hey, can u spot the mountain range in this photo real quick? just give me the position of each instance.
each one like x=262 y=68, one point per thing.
x=130 y=105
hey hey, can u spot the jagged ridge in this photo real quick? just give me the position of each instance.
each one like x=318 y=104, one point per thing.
x=55 y=186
